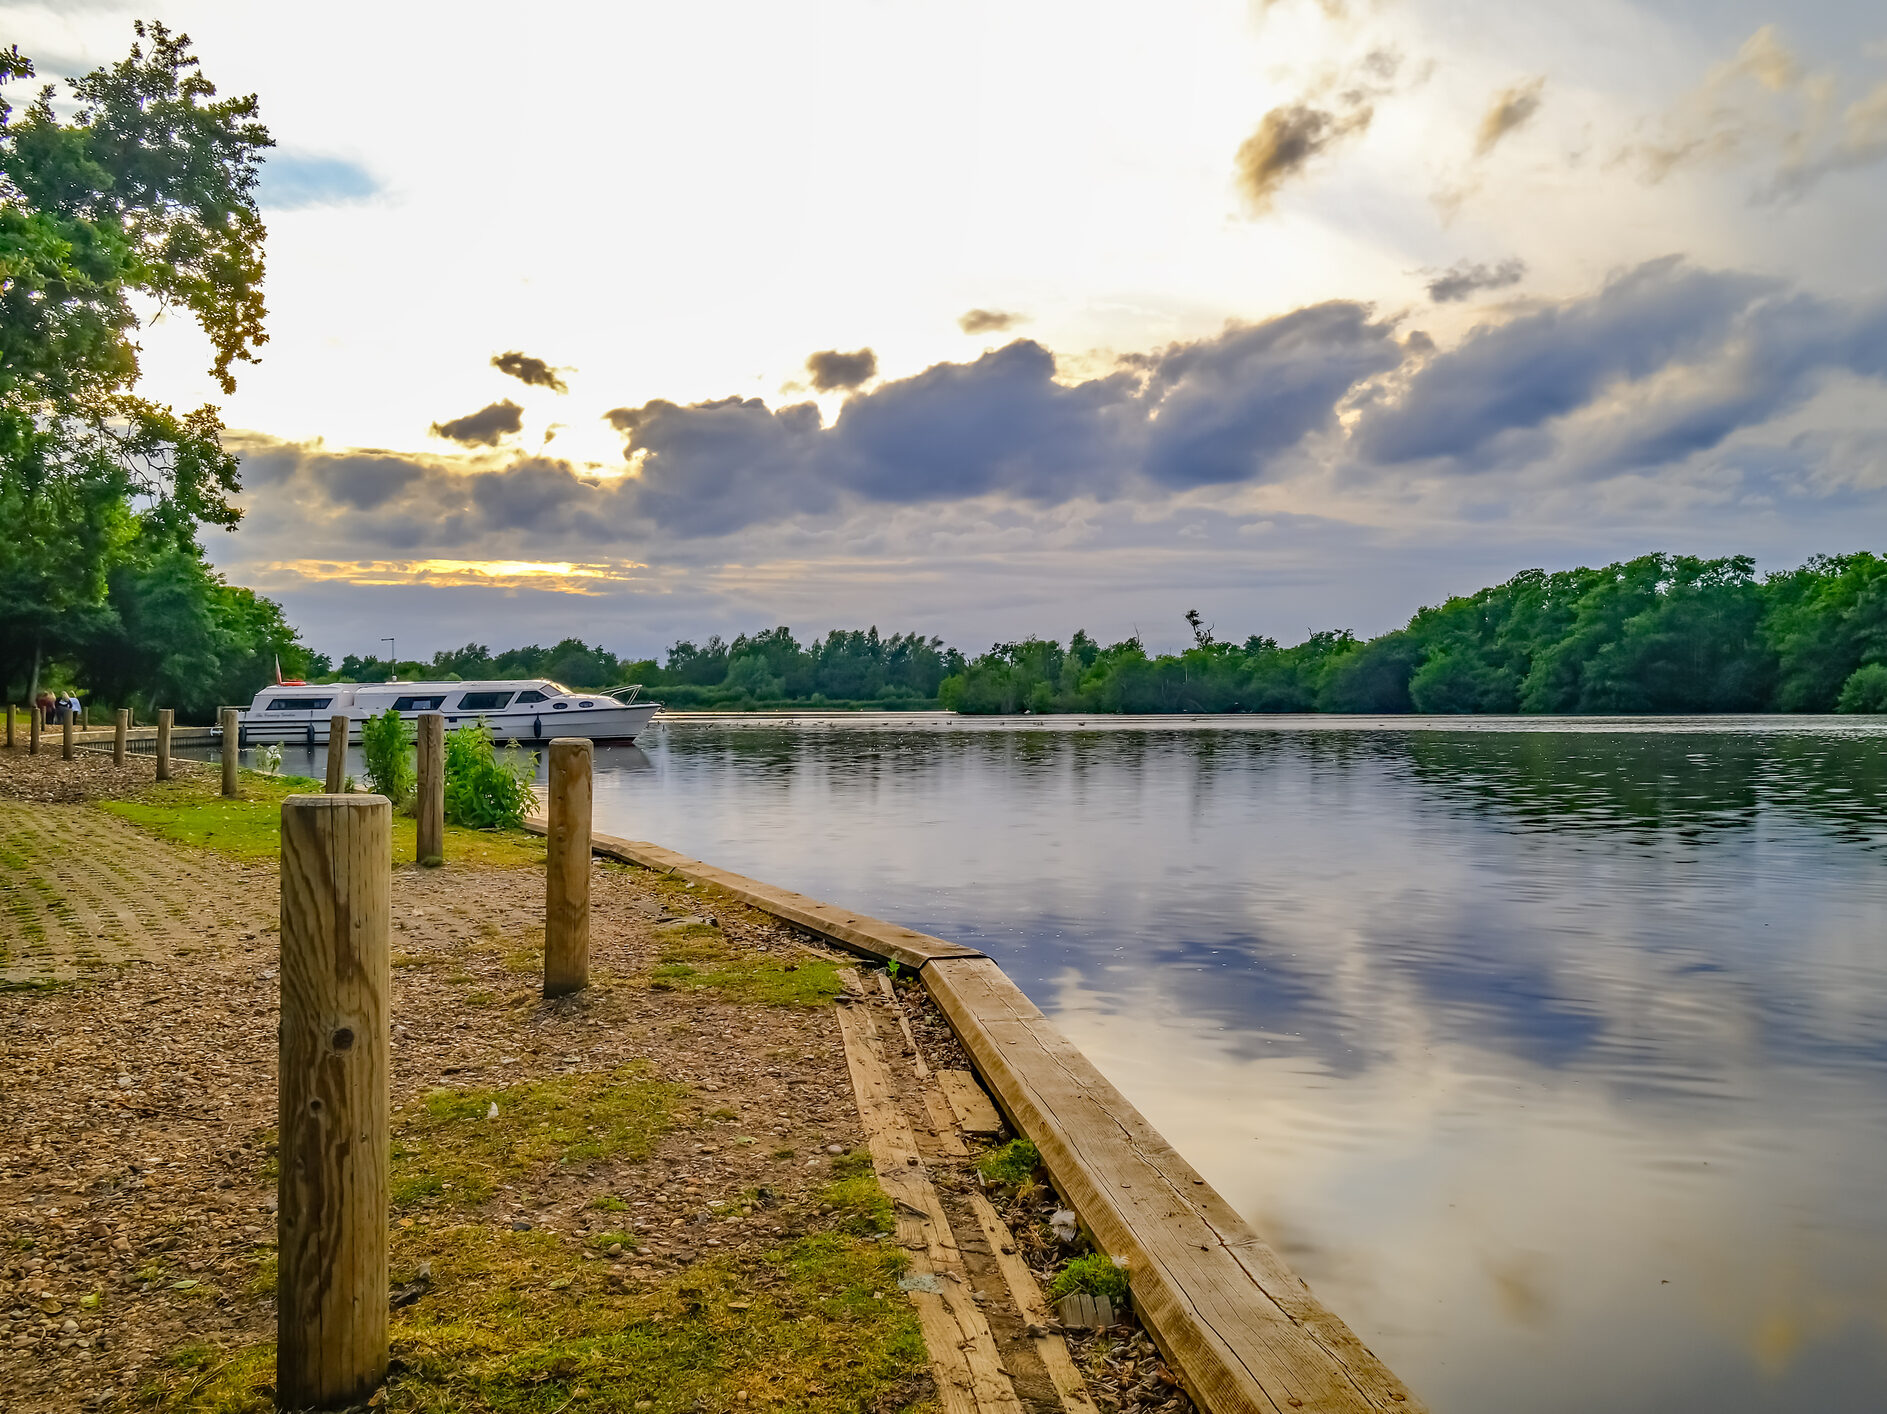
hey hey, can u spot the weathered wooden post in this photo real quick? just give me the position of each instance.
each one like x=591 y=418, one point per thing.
x=85 y=715
x=65 y=736
x=337 y=756
x=119 y=735
x=232 y=749
x=164 y=718
x=567 y=869
x=331 y=1195
x=430 y=808
x=9 y=726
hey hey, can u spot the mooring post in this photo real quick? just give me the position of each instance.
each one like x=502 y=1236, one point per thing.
x=430 y=808
x=9 y=726
x=567 y=869
x=164 y=718
x=337 y=756
x=331 y=1193
x=32 y=732
x=119 y=735
x=65 y=736
x=232 y=749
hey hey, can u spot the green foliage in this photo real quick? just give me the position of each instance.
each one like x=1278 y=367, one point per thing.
x=387 y=741
x=483 y=790
x=142 y=198
x=702 y=957
x=1093 y=1273
x=1014 y=1163
x=1865 y=690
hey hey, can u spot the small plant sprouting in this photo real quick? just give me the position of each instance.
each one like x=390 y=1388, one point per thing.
x=1095 y=1274
x=387 y=741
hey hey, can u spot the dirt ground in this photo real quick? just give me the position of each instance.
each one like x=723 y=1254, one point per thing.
x=649 y=1196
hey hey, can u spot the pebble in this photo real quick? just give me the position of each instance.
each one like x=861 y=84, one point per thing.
x=835 y=1148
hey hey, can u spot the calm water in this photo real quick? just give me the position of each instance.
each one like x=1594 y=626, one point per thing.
x=1553 y=1055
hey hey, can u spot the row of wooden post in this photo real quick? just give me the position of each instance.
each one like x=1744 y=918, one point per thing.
x=120 y=734
x=336 y=970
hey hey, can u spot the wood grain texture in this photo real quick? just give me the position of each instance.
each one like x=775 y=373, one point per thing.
x=855 y=932
x=1242 y=1331
x=971 y=1106
x=232 y=749
x=337 y=760
x=968 y=1369
x=331 y=1217
x=1049 y=1345
x=121 y=732
x=165 y=718
x=66 y=728
x=429 y=804
x=567 y=869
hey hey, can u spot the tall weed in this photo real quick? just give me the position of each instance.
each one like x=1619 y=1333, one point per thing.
x=387 y=742
x=485 y=790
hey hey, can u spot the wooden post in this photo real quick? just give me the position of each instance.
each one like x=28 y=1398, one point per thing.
x=65 y=734
x=85 y=715
x=567 y=869
x=164 y=718
x=331 y=1195
x=118 y=736
x=429 y=809
x=337 y=756
x=232 y=749
x=9 y=726
x=32 y=732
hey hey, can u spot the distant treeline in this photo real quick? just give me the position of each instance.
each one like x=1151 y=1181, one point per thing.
x=1658 y=634
x=848 y=667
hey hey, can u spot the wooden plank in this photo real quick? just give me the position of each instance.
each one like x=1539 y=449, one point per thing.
x=943 y=1125
x=904 y=1024
x=856 y=932
x=973 y=1109
x=1239 y=1328
x=1048 y=1344
x=969 y=1371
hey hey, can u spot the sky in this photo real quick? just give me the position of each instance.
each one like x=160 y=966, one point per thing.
x=638 y=322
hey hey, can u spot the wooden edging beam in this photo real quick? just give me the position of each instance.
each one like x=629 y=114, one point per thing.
x=1242 y=1331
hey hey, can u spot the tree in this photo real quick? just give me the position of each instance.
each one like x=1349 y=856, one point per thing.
x=141 y=203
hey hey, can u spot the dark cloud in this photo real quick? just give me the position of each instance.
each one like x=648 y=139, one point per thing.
x=1511 y=110
x=1465 y=278
x=1663 y=362
x=988 y=321
x=1286 y=140
x=832 y=370
x=532 y=371
x=483 y=428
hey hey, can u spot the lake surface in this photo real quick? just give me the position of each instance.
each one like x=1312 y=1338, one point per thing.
x=1552 y=1054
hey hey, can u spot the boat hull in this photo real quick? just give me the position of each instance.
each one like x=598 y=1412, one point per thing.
x=527 y=728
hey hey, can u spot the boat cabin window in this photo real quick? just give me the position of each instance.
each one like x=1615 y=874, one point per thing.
x=298 y=704
x=530 y=695
x=419 y=704
x=483 y=701
x=560 y=706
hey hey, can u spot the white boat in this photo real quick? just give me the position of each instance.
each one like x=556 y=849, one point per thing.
x=524 y=710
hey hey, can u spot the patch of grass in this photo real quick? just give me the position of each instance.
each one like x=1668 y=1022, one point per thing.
x=263 y=1282
x=1093 y=1273
x=609 y=1203
x=861 y=1204
x=412 y=959
x=517 y=1323
x=1011 y=1165
x=449 y=1148
x=607 y=1239
x=193 y=812
x=702 y=957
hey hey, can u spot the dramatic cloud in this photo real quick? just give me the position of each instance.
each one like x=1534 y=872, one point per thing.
x=1465 y=278
x=532 y=371
x=1511 y=109
x=1286 y=140
x=292 y=181
x=1664 y=362
x=483 y=428
x=988 y=321
x=831 y=370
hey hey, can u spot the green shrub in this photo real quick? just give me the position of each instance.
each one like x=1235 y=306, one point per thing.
x=1095 y=1274
x=1010 y=1165
x=486 y=791
x=1865 y=690
x=387 y=743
